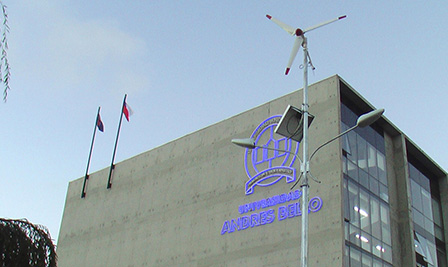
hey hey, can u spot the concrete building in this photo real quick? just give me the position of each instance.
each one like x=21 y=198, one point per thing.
x=202 y=201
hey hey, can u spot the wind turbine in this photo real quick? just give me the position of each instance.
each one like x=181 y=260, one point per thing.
x=305 y=166
x=300 y=37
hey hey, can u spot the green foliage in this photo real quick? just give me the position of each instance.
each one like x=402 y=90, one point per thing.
x=5 y=73
x=25 y=244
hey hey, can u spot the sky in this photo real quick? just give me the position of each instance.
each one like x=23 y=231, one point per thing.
x=189 y=64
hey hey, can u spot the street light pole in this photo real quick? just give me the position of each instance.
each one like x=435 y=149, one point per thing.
x=304 y=168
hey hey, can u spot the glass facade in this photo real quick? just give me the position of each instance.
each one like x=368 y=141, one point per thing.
x=426 y=215
x=366 y=198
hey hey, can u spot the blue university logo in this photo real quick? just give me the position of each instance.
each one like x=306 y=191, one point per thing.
x=265 y=167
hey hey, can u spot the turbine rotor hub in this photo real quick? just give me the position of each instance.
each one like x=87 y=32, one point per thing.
x=299 y=32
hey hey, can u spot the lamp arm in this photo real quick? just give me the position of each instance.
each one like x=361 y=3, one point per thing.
x=331 y=140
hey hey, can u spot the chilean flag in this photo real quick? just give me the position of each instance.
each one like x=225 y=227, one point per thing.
x=127 y=111
x=99 y=123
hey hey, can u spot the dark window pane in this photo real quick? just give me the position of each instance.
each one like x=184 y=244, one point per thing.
x=379 y=140
x=363 y=178
x=418 y=218
x=352 y=170
x=353 y=156
x=344 y=165
x=384 y=194
x=362 y=154
x=385 y=223
x=347 y=256
x=413 y=172
x=364 y=210
x=375 y=217
x=437 y=212
x=371 y=155
x=353 y=192
x=377 y=247
x=426 y=204
x=374 y=186
x=381 y=162
x=377 y=263
x=387 y=254
x=354 y=235
x=416 y=196
x=366 y=242
x=355 y=258
x=366 y=260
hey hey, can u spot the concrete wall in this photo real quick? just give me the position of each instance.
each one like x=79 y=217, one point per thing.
x=403 y=253
x=167 y=206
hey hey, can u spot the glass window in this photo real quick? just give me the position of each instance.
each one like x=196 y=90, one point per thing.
x=355 y=258
x=426 y=204
x=352 y=170
x=379 y=142
x=348 y=116
x=377 y=263
x=366 y=260
x=437 y=212
x=381 y=161
x=385 y=224
x=346 y=230
x=426 y=213
x=416 y=195
x=387 y=253
x=429 y=226
x=345 y=142
x=441 y=259
x=413 y=172
x=375 y=217
x=432 y=252
x=418 y=218
x=362 y=154
x=377 y=247
x=355 y=235
x=424 y=182
x=438 y=232
x=374 y=186
x=384 y=193
x=353 y=156
x=364 y=210
x=347 y=256
x=363 y=178
x=354 y=203
x=346 y=201
x=367 y=228
x=427 y=249
x=366 y=242
x=419 y=247
x=344 y=165
x=371 y=155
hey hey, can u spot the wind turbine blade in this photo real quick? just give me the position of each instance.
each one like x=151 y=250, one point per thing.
x=295 y=48
x=282 y=25
x=324 y=23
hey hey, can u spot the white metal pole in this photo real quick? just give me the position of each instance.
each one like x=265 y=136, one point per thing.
x=305 y=164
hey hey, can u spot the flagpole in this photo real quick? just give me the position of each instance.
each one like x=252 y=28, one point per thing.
x=112 y=166
x=83 y=193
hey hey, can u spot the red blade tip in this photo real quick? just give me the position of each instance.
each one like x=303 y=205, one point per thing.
x=342 y=17
x=269 y=16
x=287 y=71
